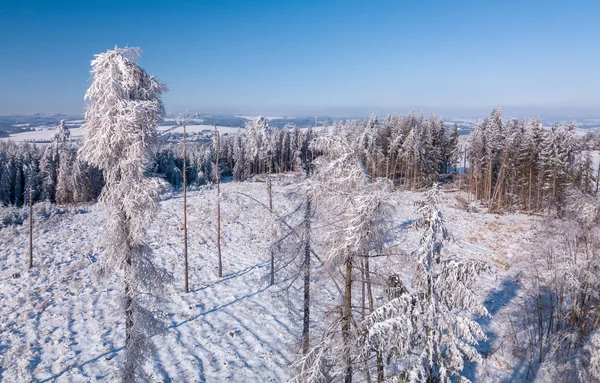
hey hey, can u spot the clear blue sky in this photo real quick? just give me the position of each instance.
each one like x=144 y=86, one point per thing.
x=310 y=57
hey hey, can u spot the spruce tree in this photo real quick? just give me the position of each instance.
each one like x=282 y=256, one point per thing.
x=120 y=138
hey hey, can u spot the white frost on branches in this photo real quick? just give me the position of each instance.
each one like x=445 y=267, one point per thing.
x=428 y=331
x=120 y=138
x=593 y=368
x=356 y=218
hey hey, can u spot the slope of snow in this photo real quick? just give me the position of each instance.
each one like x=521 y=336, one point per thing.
x=59 y=324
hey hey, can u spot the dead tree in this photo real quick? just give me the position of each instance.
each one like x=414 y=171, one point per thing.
x=347 y=321
x=30 y=227
x=218 y=179
x=270 y=193
x=306 y=305
x=185 y=247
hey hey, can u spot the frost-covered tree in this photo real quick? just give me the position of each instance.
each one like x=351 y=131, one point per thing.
x=120 y=137
x=586 y=174
x=427 y=331
x=452 y=154
x=87 y=181
x=6 y=182
x=240 y=171
x=590 y=370
x=62 y=135
x=48 y=172
x=64 y=182
x=256 y=139
x=354 y=211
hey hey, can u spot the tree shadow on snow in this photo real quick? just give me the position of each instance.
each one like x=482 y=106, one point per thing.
x=230 y=276
x=494 y=303
x=164 y=375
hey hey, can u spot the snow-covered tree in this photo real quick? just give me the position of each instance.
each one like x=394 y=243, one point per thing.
x=355 y=211
x=120 y=137
x=591 y=369
x=427 y=331
x=6 y=182
x=62 y=135
x=64 y=182
x=48 y=172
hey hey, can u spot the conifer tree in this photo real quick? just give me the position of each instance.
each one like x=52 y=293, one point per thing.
x=426 y=331
x=120 y=138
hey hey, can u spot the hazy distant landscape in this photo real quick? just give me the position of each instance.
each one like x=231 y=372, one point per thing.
x=40 y=129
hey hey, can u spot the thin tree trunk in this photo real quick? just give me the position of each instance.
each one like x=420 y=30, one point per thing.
x=185 y=241
x=529 y=197
x=270 y=192
x=553 y=192
x=306 y=319
x=346 y=321
x=476 y=186
x=380 y=375
x=597 y=178
x=218 y=177
x=129 y=369
x=363 y=283
x=490 y=180
x=30 y=227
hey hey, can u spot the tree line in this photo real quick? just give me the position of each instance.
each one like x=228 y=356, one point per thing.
x=507 y=164
x=53 y=173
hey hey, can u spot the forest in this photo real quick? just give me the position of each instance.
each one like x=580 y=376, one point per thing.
x=355 y=223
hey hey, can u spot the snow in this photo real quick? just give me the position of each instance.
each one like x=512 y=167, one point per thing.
x=59 y=325
x=65 y=327
x=44 y=134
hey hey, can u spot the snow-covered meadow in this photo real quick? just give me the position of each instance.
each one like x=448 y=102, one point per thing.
x=60 y=325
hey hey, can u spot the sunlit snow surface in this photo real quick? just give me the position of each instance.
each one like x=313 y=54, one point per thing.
x=58 y=324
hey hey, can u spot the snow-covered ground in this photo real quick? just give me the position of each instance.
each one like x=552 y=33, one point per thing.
x=59 y=324
x=44 y=134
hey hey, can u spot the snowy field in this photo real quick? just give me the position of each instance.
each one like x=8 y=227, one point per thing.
x=58 y=324
x=44 y=134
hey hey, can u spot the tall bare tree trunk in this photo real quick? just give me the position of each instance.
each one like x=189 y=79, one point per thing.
x=490 y=180
x=529 y=196
x=270 y=192
x=30 y=227
x=346 y=322
x=306 y=319
x=218 y=177
x=476 y=186
x=553 y=192
x=186 y=287
x=363 y=283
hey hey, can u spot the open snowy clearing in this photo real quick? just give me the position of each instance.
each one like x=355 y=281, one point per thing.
x=58 y=324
